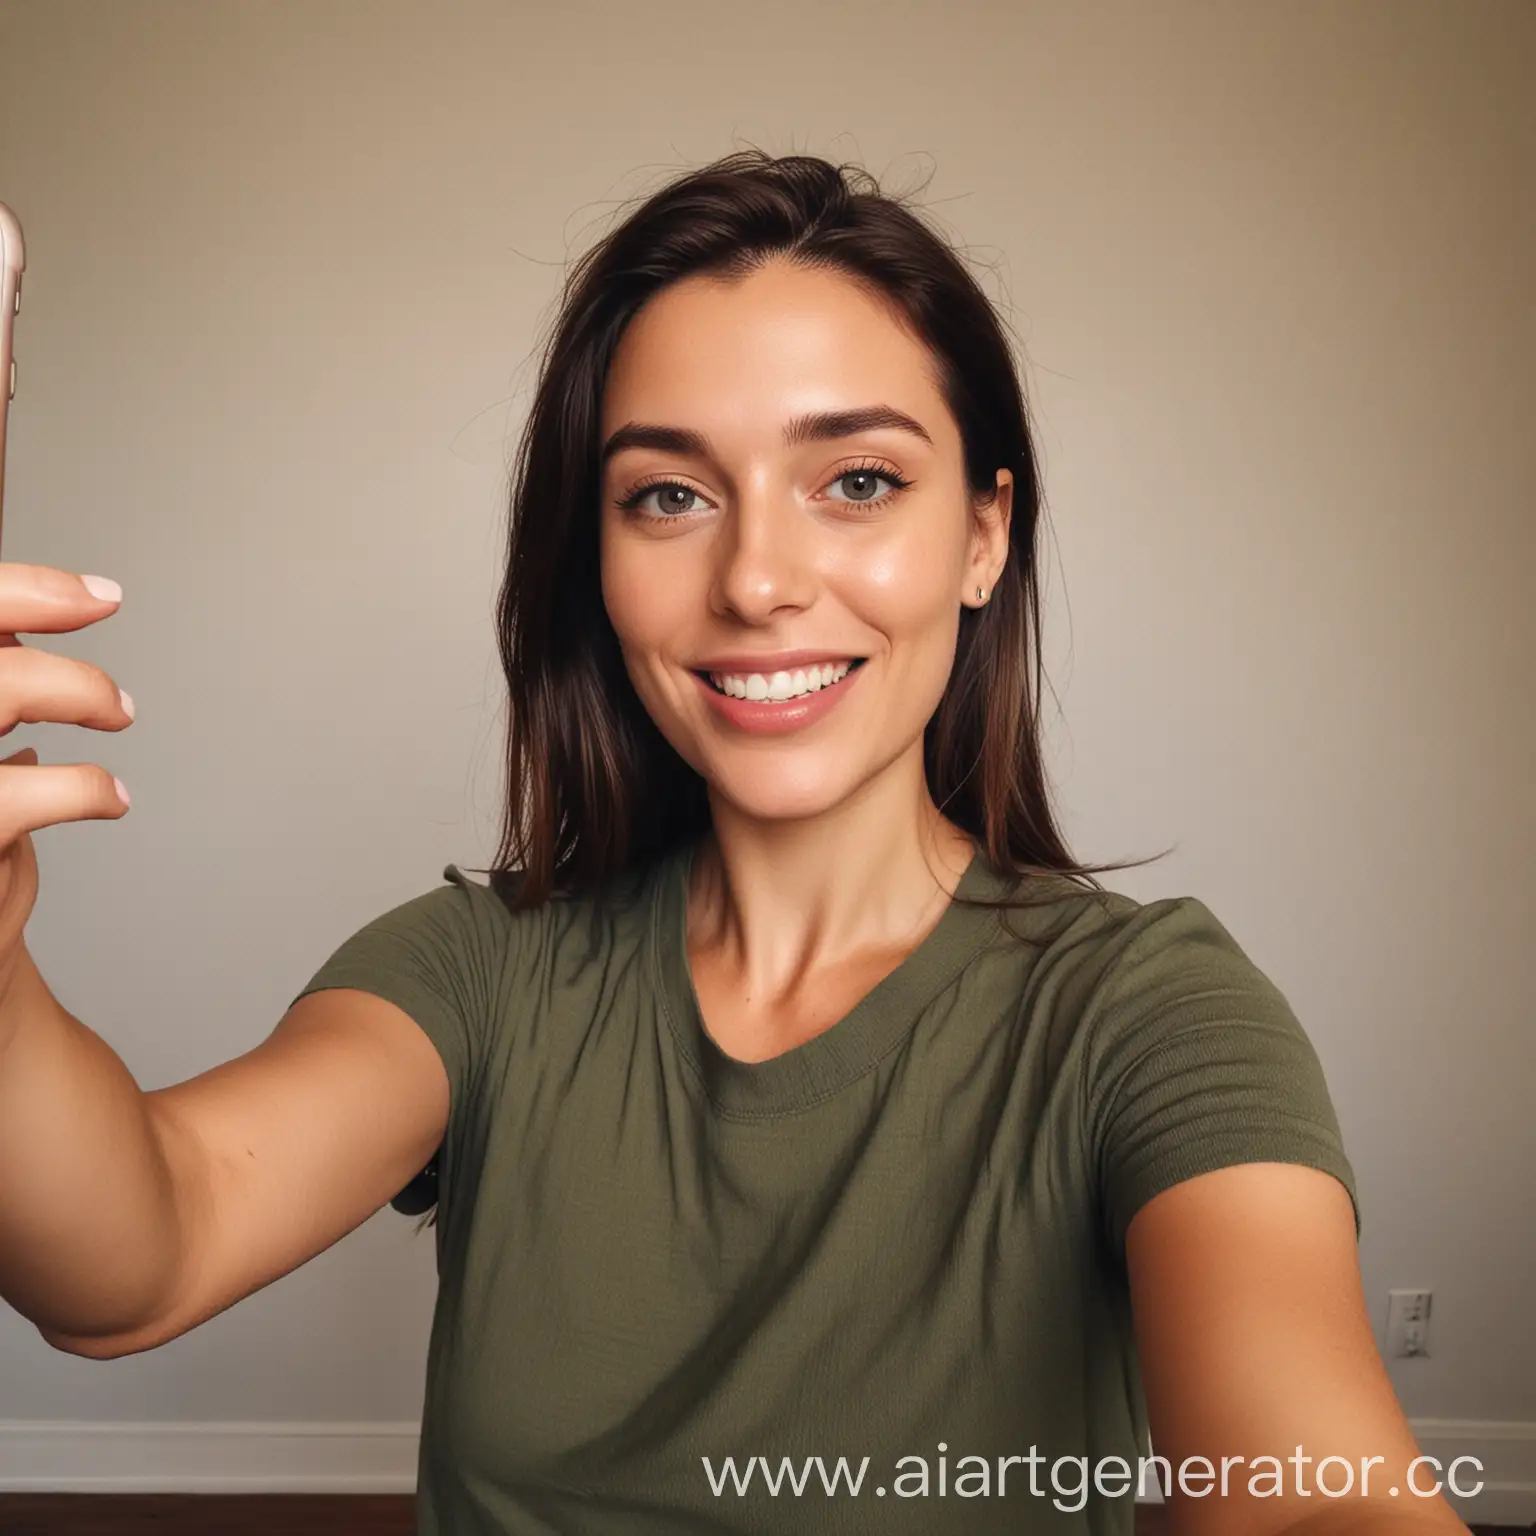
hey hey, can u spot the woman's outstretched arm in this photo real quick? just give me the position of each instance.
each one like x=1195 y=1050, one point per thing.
x=1255 y=1342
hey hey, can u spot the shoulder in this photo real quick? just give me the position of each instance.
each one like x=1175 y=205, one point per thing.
x=1136 y=987
x=1105 y=947
x=1171 y=965
x=1174 y=1053
x=1146 y=975
x=1123 y=952
x=576 y=924
x=458 y=916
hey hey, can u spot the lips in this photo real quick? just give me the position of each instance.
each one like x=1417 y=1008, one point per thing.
x=780 y=685
x=765 y=715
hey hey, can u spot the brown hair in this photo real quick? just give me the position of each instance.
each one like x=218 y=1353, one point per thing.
x=594 y=790
x=593 y=787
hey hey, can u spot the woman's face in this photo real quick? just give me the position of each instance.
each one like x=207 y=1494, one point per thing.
x=753 y=561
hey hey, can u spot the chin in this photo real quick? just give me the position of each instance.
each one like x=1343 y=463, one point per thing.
x=778 y=788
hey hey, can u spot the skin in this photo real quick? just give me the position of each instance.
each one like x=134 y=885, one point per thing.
x=829 y=861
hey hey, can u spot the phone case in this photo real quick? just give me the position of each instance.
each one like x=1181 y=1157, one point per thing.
x=13 y=260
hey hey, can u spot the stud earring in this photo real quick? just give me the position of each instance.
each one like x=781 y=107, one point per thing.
x=981 y=594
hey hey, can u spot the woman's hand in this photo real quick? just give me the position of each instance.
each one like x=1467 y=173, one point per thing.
x=38 y=686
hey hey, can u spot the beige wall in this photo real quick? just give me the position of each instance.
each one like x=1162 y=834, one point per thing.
x=1271 y=265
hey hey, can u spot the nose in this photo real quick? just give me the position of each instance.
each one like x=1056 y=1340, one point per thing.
x=765 y=559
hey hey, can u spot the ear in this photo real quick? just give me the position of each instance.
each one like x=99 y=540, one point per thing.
x=990 y=523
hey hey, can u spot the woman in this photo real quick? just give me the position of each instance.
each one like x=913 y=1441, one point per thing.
x=791 y=1093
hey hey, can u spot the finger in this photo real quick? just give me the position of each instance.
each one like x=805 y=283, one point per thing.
x=37 y=687
x=33 y=797
x=40 y=599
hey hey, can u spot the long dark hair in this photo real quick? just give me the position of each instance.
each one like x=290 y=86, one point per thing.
x=594 y=790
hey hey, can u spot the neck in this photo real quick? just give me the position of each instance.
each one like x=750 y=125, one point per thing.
x=781 y=900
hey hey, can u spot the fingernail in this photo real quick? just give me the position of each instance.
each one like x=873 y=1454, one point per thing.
x=103 y=587
x=122 y=792
x=126 y=700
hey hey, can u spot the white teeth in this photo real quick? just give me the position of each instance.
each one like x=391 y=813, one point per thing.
x=780 y=686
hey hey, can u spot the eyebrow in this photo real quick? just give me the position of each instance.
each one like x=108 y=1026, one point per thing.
x=817 y=426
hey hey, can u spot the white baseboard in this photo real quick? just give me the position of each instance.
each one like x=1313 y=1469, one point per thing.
x=42 y=1456
x=1507 y=1453
x=38 y=1456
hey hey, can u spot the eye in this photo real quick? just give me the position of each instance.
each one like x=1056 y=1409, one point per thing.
x=865 y=473
x=632 y=501
x=673 y=494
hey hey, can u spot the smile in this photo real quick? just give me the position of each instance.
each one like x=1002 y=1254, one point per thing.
x=782 y=702
x=780 y=687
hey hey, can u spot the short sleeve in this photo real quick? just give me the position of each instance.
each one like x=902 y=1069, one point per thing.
x=439 y=958
x=1197 y=1062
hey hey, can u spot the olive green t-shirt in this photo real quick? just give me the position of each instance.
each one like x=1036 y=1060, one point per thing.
x=873 y=1284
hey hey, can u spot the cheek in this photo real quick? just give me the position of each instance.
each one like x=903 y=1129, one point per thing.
x=653 y=603
x=908 y=584
x=638 y=600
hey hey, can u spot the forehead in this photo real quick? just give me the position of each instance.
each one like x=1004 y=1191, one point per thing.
x=758 y=349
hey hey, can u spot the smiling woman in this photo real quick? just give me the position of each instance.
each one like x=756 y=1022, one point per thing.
x=765 y=334
x=801 y=526
x=807 y=1099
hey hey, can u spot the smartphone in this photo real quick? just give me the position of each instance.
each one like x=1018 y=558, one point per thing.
x=13 y=259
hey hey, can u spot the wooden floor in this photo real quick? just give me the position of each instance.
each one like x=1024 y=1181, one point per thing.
x=178 y=1514
x=175 y=1514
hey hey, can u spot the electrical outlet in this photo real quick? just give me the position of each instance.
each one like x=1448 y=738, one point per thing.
x=1408 y=1323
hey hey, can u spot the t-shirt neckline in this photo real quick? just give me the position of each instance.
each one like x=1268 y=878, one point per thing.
x=807 y=1073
